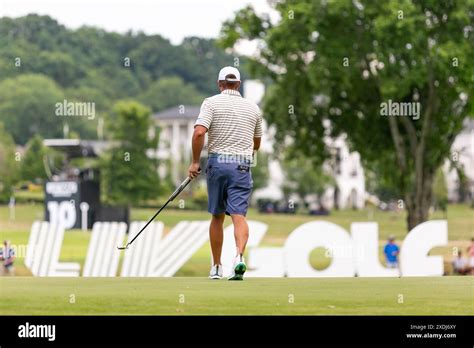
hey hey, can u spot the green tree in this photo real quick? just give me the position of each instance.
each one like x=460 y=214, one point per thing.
x=463 y=181
x=209 y=57
x=303 y=177
x=27 y=107
x=260 y=171
x=94 y=65
x=8 y=165
x=440 y=191
x=341 y=60
x=59 y=66
x=170 y=91
x=32 y=164
x=129 y=176
x=378 y=186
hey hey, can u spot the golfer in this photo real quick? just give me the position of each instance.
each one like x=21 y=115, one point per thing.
x=234 y=125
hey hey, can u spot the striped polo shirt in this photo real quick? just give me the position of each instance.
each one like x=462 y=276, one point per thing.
x=232 y=122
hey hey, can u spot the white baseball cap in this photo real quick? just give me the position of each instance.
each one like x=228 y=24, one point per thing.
x=229 y=70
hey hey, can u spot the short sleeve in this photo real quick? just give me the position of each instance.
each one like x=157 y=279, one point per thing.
x=205 y=115
x=258 y=125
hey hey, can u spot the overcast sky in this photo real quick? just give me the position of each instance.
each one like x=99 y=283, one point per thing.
x=173 y=19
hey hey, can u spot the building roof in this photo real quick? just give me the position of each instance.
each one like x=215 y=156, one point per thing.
x=75 y=148
x=178 y=112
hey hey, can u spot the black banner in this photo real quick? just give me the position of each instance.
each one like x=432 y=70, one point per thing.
x=72 y=204
x=453 y=331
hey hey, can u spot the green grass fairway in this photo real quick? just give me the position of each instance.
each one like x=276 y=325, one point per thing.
x=271 y=296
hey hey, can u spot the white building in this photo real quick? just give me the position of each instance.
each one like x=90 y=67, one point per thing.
x=177 y=125
x=345 y=167
x=462 y=153
x=349 y=191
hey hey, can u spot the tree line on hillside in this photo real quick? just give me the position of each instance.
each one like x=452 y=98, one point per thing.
x=126 y=77
x=42 y=63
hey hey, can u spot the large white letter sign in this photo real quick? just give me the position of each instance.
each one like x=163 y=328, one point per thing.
x=414 y=259
x=365 y=238
x=266 y=262
x=316 y=234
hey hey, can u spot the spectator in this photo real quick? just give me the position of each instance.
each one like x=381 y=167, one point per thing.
x=470 y=252
x=7 y=256
x=391 y=251
x=460 y=265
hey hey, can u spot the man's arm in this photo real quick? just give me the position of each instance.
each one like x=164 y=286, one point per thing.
x=203 y=123
x=257 y=137
x=256 y=143
x=397 y=251
x=197 y=145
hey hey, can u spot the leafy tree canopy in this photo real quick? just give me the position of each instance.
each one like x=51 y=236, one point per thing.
x=128 y=175
x=8 y=165
x=27 y=107
x=32 y=163
x=92 y=65
x=340 y=61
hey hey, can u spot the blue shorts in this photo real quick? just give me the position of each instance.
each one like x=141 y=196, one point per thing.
x=229 y=186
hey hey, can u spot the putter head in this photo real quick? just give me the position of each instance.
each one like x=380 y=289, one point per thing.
x=122 y=247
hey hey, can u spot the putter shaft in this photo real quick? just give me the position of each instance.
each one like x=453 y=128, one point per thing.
x=170 y=199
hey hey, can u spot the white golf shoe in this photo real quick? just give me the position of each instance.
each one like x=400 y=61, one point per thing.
x=216 y=272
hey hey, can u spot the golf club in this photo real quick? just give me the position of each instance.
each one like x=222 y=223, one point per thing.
x=170 y=199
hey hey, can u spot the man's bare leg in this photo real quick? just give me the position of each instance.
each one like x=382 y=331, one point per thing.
x=241 y=232
x=241 y=235
x=216 y=236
